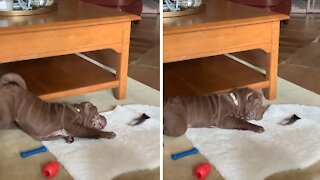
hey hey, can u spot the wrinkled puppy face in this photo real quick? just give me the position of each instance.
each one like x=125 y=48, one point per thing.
x=252 y=102
x=90 y=115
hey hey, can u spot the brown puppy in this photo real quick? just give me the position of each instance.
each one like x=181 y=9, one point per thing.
x=225 y=110
x=43 y=120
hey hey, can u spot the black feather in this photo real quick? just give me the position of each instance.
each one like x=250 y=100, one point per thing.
x=290 y=120
x=139 y=120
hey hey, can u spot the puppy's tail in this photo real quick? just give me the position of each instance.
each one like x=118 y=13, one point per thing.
x=12 y=78
x=139 y=120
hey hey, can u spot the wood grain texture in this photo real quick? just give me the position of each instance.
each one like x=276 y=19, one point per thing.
x=57 y=77
x=272 y=65
x=220 y=14
x=211 y=42
x=40 y=44
x=70 y=14
x=122 y=67
x=206 y=75
x=144 y=56
x=225 y=27
x=75 y=27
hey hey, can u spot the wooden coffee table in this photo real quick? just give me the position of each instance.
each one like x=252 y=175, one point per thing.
x=224 y=27
x=75 y=27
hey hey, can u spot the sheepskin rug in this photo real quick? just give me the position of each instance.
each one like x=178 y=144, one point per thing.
x=134 y=148
x=245 y=155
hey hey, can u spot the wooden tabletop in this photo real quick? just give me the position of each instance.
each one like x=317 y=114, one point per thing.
x=70 y=13
x=220 y=14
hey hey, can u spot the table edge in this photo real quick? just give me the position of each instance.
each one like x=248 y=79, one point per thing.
x=224 y=24
x=68 y=24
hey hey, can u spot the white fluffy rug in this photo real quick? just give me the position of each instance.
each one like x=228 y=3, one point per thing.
x=244 y=155
x=134 y=148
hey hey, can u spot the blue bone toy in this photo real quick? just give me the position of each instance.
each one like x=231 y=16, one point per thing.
x=33 y=151
x=184 y=154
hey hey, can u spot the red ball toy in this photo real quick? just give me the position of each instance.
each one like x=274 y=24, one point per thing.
x=202 y=171
x=50 y=169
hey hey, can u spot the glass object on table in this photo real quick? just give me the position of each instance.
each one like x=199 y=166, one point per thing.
x=180 y=5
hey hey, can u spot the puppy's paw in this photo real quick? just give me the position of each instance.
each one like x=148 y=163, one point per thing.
x=110 y=135
x=69 y=139
x=259 y=130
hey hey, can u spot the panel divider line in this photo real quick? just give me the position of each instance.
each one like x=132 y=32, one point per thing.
x=246 y=63
x=96 y=63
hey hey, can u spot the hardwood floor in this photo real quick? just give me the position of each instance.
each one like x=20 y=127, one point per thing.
x=300 y=52
x=144 y=63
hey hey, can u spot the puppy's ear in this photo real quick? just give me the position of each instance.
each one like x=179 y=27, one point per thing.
x=249 y=95
x=252 y=94
x=86 y=106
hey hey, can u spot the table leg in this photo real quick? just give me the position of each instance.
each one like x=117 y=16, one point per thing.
x=122 y=65
x=272 y=63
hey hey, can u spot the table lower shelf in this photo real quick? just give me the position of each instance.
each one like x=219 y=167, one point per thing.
x=61 y=76
x=206 y=75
